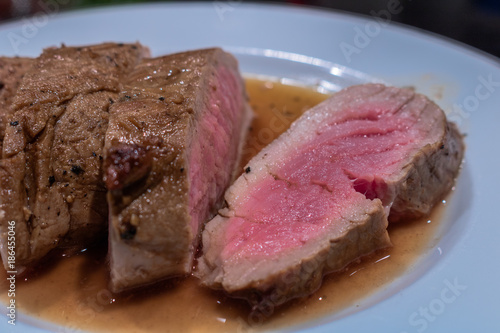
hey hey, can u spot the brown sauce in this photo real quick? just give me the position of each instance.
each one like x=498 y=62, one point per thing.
x=72 y=291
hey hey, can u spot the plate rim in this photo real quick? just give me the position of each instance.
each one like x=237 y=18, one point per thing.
x=416 y=32
x=450 y=44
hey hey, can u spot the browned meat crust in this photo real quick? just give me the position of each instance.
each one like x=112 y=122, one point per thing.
x=51 y=175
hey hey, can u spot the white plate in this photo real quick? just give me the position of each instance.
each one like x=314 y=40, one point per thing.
x=453 y=287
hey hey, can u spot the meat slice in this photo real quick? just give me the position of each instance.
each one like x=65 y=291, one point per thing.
x=171 y=149
x=51 y=172
x=12 y=71
x=318 y=197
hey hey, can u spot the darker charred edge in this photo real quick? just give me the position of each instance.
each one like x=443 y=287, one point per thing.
x=77 y=170
x=126 y=166
x=128 y=232
x=123 y=197
x=135 y=188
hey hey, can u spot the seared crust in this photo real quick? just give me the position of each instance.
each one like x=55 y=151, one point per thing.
x=51 y=174
x=302 y=274
x=153 y=233
x=431 y=175
x=425 y=173
x=12 y=71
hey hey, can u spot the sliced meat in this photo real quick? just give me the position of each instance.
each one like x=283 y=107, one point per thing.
x=12 y=71
x=172 y=145
x=319 y=196
x=51 y=172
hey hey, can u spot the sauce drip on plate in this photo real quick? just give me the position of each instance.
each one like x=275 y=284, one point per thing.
x=73 y=291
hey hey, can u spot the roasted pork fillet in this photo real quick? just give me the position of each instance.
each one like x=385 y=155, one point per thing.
x=51 y=171
x=172 y=147
x=320 y=195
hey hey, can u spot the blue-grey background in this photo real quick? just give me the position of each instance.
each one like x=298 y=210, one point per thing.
x=474 y=22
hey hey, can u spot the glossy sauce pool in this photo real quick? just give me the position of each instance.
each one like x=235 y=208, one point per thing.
x=72 y=291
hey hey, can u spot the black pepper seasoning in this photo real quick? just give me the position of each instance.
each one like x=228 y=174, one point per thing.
x=76 y=169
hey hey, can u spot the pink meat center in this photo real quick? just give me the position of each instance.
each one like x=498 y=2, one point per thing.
x=348 y=161
x=213 y=151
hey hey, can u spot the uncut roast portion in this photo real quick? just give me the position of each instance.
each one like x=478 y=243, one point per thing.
x=51 y=169
x=321 y=195
x=172 y=148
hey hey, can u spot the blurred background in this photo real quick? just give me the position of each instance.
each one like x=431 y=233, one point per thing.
x=474 y=22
